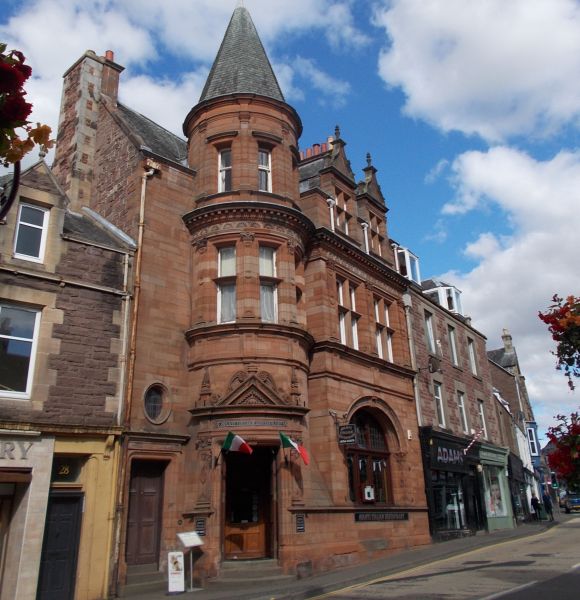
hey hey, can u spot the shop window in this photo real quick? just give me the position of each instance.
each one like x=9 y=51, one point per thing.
x=495 y=497
x=264 y=170
x=18 y=340
x=226 y=285
x=268 y=284
x=31 y=229
x=368 y=462
x=448 y=512
x=225 y=170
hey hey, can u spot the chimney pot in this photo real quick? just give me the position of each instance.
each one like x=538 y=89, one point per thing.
x=316 y=149
x=110 y=55
x=301 y=155
x=324 y=147
x=308 y=152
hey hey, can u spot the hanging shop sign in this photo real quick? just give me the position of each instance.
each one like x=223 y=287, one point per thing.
x=347 y=434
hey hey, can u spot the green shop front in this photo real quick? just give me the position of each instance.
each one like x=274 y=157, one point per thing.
x=496 y=489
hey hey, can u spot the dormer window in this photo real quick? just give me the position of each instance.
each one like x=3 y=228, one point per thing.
x=31 y=229
x=225 y=170
x=407 y=264
x=447 y=296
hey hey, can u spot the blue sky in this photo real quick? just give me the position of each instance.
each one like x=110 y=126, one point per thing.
x=469 y=108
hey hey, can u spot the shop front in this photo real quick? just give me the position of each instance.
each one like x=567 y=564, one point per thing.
x=518 y=488
x=452 y=485
x=496 y=489
x=25 y=467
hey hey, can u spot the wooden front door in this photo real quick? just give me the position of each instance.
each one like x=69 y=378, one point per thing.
x=58 y=563
x=144 y=520
x=248 y=504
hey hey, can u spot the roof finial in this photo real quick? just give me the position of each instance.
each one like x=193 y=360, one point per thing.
x=240 y=4
x=337 y=133
x=369 y=161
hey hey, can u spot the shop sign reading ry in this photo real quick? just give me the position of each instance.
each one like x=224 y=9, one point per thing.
x=15 y=450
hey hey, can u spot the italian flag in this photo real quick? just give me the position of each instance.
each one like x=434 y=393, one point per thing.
x=288 y=443
x=235 y=443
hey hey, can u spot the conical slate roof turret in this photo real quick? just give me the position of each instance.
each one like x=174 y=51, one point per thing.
x=241 y=65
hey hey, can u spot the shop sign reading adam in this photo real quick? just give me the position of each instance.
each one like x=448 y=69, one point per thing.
x=447 y=456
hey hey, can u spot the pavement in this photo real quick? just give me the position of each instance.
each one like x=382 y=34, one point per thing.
x=302 y=589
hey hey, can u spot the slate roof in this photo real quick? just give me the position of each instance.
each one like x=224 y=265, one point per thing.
x=83 y=227
x=502 y=358
x=241 y=65
x=159 y=140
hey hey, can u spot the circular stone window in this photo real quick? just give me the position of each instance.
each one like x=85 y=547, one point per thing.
x=155 y=404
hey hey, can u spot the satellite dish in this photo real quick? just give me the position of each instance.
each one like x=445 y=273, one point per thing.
x=434 y=364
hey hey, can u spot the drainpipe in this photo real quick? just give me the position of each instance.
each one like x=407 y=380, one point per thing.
x=407 y=303
x=151 y=169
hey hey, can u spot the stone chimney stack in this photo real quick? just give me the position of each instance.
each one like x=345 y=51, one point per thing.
x=84 y=83
x=507 y=341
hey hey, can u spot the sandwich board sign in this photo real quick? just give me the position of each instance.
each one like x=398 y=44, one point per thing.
x=175 y=572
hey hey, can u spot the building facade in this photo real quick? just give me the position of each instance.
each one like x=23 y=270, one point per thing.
x=464 y=457
x=265 y=300
x=61 y=332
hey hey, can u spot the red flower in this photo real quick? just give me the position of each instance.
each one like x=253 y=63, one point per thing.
x=14 y=111
x=11 y=77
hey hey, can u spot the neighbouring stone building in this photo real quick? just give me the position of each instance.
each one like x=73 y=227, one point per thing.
x=465 y=457
x=63 y=321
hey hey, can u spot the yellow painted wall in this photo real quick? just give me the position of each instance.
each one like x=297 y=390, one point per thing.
x=98 y=479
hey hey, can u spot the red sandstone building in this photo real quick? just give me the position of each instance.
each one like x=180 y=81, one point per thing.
x=266 y=300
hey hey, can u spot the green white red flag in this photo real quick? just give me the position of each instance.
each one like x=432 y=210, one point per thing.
x=289 y=443
x=235 y=443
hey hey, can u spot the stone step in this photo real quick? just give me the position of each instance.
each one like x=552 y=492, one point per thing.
x=143 y=578
x=258 y=571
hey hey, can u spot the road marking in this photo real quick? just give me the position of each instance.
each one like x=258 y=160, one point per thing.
x=506 y=592
x=399 y=574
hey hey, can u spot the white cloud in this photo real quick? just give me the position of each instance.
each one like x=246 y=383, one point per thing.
x=53 y=34
x=494 y=68
x=331 y=91
x=165 y=102
x=517 y=276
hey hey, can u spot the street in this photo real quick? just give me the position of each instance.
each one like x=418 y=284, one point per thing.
x=546 y=565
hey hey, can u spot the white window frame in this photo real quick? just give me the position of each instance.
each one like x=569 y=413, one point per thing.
x=354 y=330
x=453 y=345
x=462 y=411
x=472 y=356
x=267 y=281
x=267 y=169
x=438 y=396
x=430 y=332
x=342 y=325
x=532 y=441
x=482 y=417
x=44 y=230
x=221 y=285
x=26 y=394
x=222 y=170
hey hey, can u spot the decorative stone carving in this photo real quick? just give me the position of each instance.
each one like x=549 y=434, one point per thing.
x=201 y=245
x=247 y=238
